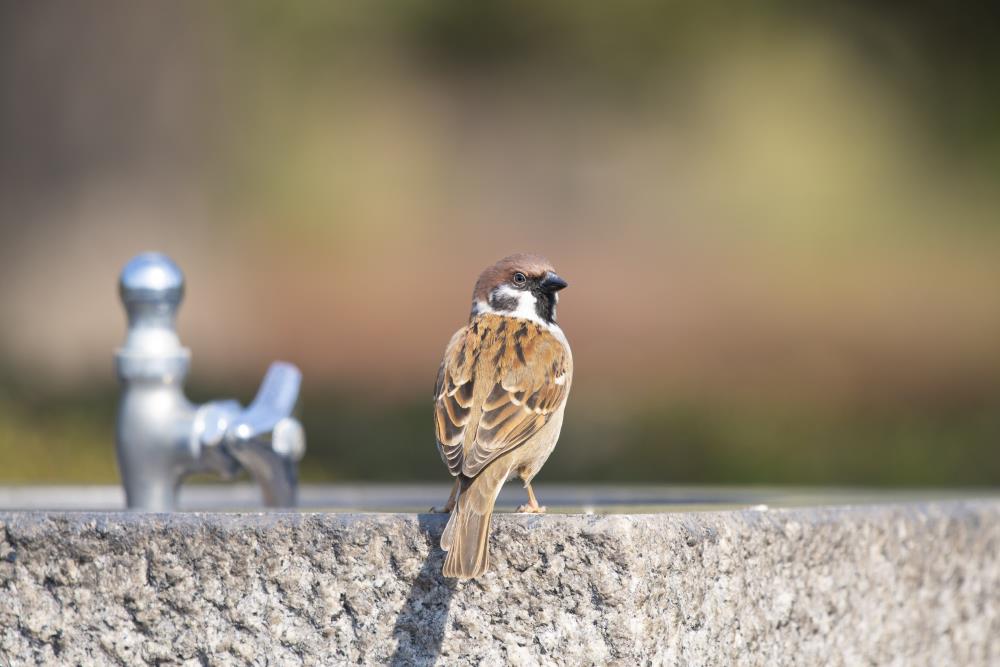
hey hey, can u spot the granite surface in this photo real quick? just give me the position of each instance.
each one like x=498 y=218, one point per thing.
x=908 y=584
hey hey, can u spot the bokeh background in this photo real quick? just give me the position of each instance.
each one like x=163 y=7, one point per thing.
x=780 y=222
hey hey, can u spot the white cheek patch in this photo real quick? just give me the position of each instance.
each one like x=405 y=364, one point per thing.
x=525 y=310
x=525 y=302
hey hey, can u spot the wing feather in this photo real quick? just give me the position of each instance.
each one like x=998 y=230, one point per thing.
x=453 y=400
x=498 y=385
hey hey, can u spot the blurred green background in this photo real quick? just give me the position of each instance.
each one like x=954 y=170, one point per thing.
x=780 y=222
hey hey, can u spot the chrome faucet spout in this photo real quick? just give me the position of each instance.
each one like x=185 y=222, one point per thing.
x=162 y=437
x=266 y=440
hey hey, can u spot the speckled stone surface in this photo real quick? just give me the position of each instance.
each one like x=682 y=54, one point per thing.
x=914 y=584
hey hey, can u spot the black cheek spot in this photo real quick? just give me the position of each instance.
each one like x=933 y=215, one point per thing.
x=503 y=302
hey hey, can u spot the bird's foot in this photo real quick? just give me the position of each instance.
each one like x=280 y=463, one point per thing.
x=531 y=509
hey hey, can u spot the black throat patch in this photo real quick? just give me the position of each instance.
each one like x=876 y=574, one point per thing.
x=545 y=303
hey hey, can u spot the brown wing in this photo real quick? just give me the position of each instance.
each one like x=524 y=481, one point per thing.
x=500 y=382
x=453 y=399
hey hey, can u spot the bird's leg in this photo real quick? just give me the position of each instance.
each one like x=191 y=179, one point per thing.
x=452 y=499
x=532 y=507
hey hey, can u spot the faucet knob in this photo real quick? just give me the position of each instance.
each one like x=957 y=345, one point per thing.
x=151 y=287
x=151 y=279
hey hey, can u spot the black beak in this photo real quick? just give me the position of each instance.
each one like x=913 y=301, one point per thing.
x=552 y=283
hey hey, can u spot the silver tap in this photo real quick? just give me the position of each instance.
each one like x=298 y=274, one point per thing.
x=162 y=437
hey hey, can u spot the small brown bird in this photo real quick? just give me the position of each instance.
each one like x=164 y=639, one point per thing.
x=499 y=400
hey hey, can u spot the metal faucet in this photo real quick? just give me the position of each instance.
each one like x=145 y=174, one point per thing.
x=162 y=437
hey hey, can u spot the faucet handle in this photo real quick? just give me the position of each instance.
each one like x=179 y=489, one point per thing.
x=274 y=401
x=266 y=440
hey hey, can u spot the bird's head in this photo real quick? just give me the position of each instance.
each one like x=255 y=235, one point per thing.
x=520 y=285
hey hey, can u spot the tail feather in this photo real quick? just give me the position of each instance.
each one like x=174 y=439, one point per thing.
x=468 y=553
x=467 y=535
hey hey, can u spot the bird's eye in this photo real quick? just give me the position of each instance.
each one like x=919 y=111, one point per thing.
x=520 y=279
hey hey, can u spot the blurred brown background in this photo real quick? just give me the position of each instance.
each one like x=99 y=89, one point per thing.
x=780 y=223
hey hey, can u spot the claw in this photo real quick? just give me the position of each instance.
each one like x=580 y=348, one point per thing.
x=452 y=499
x=532 y=507
x=529 y=509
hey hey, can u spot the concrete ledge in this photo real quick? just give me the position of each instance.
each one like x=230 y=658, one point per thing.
x=906 y=584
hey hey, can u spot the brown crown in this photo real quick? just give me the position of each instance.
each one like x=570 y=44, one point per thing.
x=533 y=266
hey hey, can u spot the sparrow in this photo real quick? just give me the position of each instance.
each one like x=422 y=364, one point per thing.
x=499 y=400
